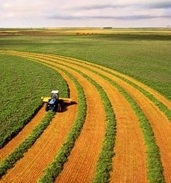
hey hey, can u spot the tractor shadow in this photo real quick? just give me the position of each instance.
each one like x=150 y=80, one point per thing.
x=66 y=105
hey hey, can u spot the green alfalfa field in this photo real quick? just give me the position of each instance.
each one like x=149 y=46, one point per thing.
x=143 y=54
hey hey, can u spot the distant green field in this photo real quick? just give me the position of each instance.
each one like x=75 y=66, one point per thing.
x=140 y=53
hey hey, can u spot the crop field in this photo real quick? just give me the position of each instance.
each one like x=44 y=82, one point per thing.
x=119 y=127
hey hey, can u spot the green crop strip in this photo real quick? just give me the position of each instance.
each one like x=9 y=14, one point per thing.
x=54 y=168
x=26 y=144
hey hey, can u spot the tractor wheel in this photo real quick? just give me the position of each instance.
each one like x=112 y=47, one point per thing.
x=59 y=108
x=47 y=107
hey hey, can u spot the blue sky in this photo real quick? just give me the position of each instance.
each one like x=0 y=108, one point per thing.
x=85 y=13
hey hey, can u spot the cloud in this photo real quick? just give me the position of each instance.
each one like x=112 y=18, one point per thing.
x=76 y=12
x=123 y=4
x=20 y=8
x=130 y=17
x=124 y=11
x=158 y=5
x=99 y=7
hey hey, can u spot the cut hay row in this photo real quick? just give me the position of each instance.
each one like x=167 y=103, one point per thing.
x=125 y=165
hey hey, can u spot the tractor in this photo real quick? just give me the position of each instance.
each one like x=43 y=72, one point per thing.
x=54 y=102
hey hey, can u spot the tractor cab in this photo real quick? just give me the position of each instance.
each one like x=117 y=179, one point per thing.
x=55 y=94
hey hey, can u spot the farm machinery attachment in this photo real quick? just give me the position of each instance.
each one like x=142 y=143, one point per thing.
x=55 y=103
